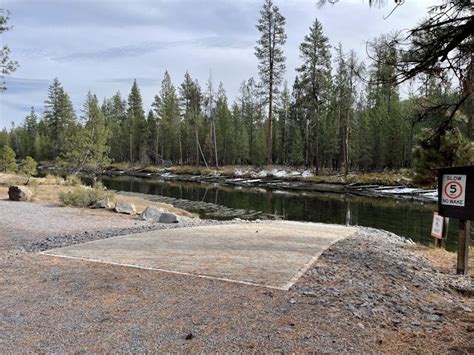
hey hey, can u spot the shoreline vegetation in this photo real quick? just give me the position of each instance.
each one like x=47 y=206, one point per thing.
x=388 y=184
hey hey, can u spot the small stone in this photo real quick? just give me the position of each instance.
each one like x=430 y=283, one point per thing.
x=309 y=294
x=189 y=336
x=434 y=318
x=292 y=301
x=19 y=193
x=466 y=309
x=396 y=321
x=415 y=323
x=168 y=218
x=268 y=293
x=125 y=207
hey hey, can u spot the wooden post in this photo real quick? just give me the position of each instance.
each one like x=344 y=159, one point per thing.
x=463 y=247
x=439 y=242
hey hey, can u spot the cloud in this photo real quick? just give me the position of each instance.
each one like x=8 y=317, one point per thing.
x=101 y=45
x=24 y=85
x=137 y=50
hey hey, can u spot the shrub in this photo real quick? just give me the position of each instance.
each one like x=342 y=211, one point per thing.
x=28 y=166
x=84 y=196
x=73 y=180
x=7 y=159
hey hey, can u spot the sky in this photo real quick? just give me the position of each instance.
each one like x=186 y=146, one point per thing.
x=102 y=45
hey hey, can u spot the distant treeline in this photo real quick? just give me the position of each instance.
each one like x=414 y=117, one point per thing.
x=329 y=118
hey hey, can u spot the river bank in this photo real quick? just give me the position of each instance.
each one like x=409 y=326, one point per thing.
x=386 y=185
x=370 y=292
x=391 y=185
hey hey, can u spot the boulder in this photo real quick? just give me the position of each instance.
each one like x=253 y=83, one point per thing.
x=168 y=218
x=151 y=213
x=105 y=203
x=19 y=193
x=125 y=207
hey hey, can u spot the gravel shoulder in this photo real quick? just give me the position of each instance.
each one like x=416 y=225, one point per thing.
x=367 y=293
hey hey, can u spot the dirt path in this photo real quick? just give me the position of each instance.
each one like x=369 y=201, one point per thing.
x=366 y=293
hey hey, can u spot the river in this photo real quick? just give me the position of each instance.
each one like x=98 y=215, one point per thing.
x=406 y=218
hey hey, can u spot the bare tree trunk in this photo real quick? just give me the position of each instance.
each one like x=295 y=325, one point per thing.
x=215 y=143
x=316 y=143
x=307 y=142
x=131 y=148
x=196 y=134
x=270 y=127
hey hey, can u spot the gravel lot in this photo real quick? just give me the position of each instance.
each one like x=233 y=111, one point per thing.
x=367 y=293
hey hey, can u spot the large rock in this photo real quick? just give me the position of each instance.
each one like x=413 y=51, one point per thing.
x=19 y=193
x=105 y=203
x=168 y=218
x=151 y=213
x=125 y=207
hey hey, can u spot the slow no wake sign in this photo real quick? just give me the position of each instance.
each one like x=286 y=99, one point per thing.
x=453 y=190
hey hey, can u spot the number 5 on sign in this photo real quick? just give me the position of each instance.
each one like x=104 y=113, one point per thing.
x=437 y=226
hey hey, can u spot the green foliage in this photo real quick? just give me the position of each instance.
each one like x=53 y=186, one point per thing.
x=87 y=147
x=432 y=152
x=328 y=120
x=28 y=166
x=7 y=159
x=84 y=196
x=59 y=118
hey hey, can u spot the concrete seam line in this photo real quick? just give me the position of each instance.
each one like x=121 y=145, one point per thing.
x=165 y=271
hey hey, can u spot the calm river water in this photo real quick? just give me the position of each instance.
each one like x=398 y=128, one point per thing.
x=405 y=218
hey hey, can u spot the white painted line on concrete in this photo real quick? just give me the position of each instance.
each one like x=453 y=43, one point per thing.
x=285 y=288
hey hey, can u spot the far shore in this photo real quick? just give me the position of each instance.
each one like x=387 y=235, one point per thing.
x=394 y=185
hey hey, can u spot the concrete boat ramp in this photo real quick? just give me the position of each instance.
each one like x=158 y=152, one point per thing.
x=271 y=254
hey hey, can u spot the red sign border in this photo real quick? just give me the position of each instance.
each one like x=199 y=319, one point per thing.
x=460 y=188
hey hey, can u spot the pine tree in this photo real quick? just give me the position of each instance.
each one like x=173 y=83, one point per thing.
x=226 y=134
x=315 y=82
x=88 y=146
x=59 y=117
x=269 y=52
x=190 y=99
x=170 y=132
x=136 y=126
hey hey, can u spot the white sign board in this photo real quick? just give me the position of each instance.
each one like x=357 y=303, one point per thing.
x=453 y=191
x=437 y=226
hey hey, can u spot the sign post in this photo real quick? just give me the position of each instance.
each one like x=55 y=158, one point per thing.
x=456 y=200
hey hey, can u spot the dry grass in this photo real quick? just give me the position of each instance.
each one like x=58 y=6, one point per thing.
x=443 y=260
x=48 y=189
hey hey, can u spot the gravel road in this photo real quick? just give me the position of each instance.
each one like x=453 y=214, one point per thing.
x=41 y=226
x=367 y=293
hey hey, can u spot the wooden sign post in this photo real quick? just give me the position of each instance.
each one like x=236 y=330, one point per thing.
x=456 y=200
